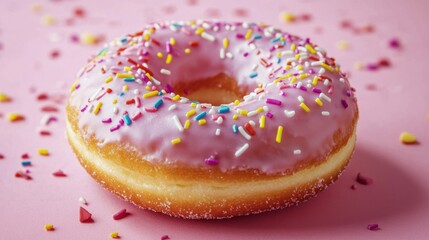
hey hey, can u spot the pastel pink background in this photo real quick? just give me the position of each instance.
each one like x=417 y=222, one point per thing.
x=397 y=201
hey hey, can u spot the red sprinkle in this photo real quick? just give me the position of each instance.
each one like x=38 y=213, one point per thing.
x=59 y=173
x=25 y=156
x=249 y=129
x=22 y=174
x=42 y=96
x=85 y=216
x=49 y=109
x=373 y=227
x=79 y=12
x=120 y=214
x=165 y=237
x=44 y=133
x=364 y=180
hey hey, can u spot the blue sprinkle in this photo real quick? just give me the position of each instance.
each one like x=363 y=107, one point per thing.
x=121 y=94
x=276 y=40
x=123 y=40
x=257 y=37
x=279 y=60
x=176 y=25
x=158 y=103
x=235 y=128
x=129 y=79
x=200 y=116
x=101 y=51
x=223 y=109
x=253 y=74
x=160 y=93
x=26 y=163
x=127 y=119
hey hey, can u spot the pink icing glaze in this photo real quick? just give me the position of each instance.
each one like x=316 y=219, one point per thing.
x=283 y=64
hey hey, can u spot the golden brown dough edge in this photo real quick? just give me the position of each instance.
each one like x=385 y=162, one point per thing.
x=204 y=193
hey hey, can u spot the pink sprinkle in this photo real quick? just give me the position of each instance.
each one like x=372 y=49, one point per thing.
x=49 y=109
x=84 y=108
x=240 y=36
x=245 y=54
x=269 y=115
x=394 y=43
x=1 y=156
x=372 y=67
x=59 y=173
x=317 y=90
x=151 y=109
x=344 y=103
x=107 y=120
x=112 y=129
x=120 y=214
x=364 y=180
x=25 y=156
x=136 y=116
x=165 y=237
x=273 y=101
x=211 y=161
x=373 y=227
x=137 y=101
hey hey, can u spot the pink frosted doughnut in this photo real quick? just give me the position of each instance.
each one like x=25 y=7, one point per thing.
x=206 y=119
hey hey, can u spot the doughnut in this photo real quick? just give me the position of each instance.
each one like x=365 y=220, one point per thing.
x=211 y=119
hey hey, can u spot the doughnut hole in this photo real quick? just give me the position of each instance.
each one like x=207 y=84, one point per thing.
x=217 y=90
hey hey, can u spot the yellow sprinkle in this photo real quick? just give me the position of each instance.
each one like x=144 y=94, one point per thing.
x=187 y=124
x=262 y=121
x=407 y=138
x=187 y=51
x=243 y=112
x=288 y=67
x=287 y=17
x=298 y=56
x=146 y=36
x=5 y=98
x=191 y=112
x=248 y=34
x=235 y=117
x=147 y=88
x=176 y=98
x=327 y=67
x=169 y=59
x=303 y=76
x=97 y=108
x=293 y=80
x=49 y=227
x=358 y=65
x=125 y=88
x=88 y=38
x=114 y=235
x=109 y=79
x=72 y=89
x=176 y=141
x=48 y=20
x=127 y=68
x=202 y=122
x=159 y=54
x=300 y=67
x=225 y=43
x=148 y=76
x=173 y=41
x=115 y=101
x=259 y=85
x=293 y=47
x=342 y=45
x=279 y=134
x=319 y=102
x=124 y=75
x=37 y=8
x=199 y=31
x=305 y=107
x=150 y=94
x=259 y=109
x=236 y=102
x=43 y=151
x=194 y=105
x=132 y=43
x=315 y=81
x=14 y=117
x=310 y=48
x=279 y=54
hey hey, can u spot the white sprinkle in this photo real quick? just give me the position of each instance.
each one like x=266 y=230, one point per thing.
x=252 y=113
x=156 y=81
x=147 y=44
x=95 y=95
x=217 y=132
x=325 y=113
x=222 y=53
x=324 y=96
x=172 y=107
x=289 y=114
x=297 y=151
x=302 y=49
x=252 y=122
x=299 y=84
x=241 y=150
x=342 y=80
x=300 y=98
x=45 y=119
x=244 y=133
x=326 y=82
x=229 y=55
x=212 y=111
x=219 y=120
x=83 y=200
x=91 y=108
x=178 y=123
x=266 y=108
x=165 y=71
x=208 y=37
x=136 y=91
x=321 y=71
x=115 y=110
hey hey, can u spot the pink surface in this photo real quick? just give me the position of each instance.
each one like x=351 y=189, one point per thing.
x=397 y=200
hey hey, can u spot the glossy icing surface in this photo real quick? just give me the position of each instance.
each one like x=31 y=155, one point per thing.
x=299 y=98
